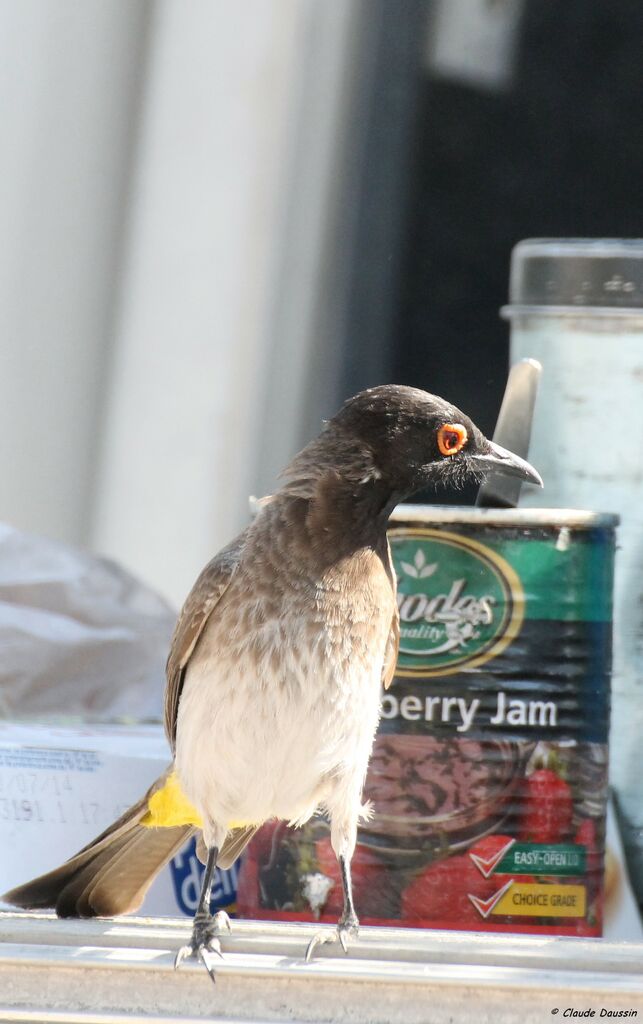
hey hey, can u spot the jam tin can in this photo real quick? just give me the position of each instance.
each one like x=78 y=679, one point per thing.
x=488 y=778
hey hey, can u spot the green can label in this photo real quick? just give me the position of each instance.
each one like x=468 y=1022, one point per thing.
x=542 y=859
x=514 y=858
x=460 y=602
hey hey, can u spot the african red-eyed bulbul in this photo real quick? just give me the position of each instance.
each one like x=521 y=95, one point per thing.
x=278 y=660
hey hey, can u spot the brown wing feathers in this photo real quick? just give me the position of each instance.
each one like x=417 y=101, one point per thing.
x=203 y=598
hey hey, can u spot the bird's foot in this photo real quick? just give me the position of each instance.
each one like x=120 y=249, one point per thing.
x=347 y=928
x=204 y=943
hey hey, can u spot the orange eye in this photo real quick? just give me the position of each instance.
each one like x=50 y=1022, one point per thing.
x=451 y=438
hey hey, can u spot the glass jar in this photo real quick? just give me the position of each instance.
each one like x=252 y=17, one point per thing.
x=576 y=305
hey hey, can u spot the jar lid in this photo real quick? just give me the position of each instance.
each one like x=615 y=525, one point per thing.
x=564 y=274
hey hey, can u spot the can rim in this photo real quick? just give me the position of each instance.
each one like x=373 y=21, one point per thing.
x=572 y=518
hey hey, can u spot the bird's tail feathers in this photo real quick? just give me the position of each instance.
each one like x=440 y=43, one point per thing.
x=233 y=847
x=111 y=874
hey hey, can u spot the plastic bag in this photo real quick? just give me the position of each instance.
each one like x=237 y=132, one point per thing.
x=79 y=636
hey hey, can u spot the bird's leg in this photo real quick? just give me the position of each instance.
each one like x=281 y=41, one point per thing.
x=348 y=924
x=206 y=927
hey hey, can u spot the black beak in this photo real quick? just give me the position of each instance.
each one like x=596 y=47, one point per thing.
x=499 y=460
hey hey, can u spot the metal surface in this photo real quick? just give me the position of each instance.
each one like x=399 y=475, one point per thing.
x=554 y=275
x=572 y=518
x=94 y=971
x=513 y=431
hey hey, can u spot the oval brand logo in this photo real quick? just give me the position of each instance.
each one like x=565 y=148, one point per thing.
x=460 y=602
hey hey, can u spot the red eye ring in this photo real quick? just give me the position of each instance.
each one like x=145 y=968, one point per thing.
x=452 y=437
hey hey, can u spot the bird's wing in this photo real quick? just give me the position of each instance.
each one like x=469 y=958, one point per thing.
x=393 y=639
x=200 y=603
x=390 y=652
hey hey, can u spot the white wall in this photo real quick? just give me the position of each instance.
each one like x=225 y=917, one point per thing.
x=168 y=176
x=68 y=93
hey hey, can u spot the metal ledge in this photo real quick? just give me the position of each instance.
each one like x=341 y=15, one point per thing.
x=122 y=970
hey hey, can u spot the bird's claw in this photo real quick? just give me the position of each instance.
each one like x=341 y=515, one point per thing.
x=345 y=930
x=204 y=943
x=182 y=954
x=221 y=921
x=201 y=952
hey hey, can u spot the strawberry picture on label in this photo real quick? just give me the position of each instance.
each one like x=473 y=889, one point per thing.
x=488 y=853
x=442 y=892
x=586 y=836
x=547 y=809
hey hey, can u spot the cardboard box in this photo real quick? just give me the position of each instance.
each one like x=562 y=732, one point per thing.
x=61 y=786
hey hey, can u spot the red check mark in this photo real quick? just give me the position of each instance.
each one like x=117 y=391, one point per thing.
x=484 y=907
x=484 y=866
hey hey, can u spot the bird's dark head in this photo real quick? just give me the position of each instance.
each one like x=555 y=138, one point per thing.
x=384 y=445
x=417 y=440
